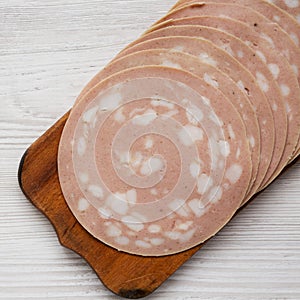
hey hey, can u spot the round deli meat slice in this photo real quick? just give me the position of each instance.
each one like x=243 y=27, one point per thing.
x=242 y=10
x=259 y=69
x=277 y=64
x=286 y=42
x=269 y=10
x=219 y=58
x=147 y=164
x=210 y=74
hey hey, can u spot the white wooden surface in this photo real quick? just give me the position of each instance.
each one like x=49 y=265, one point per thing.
x=48 y=52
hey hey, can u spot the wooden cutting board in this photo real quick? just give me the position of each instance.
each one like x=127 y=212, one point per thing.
x=124 y=274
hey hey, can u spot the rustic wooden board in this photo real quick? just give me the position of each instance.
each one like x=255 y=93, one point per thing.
x=124 y=274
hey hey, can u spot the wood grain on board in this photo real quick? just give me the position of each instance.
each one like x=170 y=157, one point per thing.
x=124 y=274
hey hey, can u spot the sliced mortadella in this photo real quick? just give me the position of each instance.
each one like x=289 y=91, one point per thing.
x=208 y=73
x=284 y=38
x=258 y=14
x=282 y=72
x=255 y=64
x=147 y=164
x=289 y=22
x=211 y=54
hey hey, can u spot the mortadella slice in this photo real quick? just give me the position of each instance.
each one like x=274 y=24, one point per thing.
x=147 y=164
x=287 y=42
x=277 y=64
x=217 y=57
x=208 y=73
x=256 y=65
x=269 y=10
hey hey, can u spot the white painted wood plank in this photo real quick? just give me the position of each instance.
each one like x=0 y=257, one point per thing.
x=48 y=51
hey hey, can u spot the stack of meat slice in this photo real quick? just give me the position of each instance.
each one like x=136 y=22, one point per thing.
x=185 y=125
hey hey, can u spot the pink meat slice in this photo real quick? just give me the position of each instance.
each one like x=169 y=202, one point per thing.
x=277 y=10
x=145 y=124
x=288 y=22
x=263 y=23
x=217 y=57
x=287 y=78
x=208 y=73
x=255 y=65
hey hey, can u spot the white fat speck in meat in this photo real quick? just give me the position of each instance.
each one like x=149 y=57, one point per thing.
x=269 y=39
x=187 y=236
x=215 y=194
x=152 y=165
x=162 y=103
x=173 y=235
x=224 y=148
x=195 y=169
x=113 y=231
x=285 y=90
x=295 y=69
x=240 y=84
x=122 y=240
x=96 y=191
x=262 y=82
x=178 y=48
x=153 y=192
x=119 y=116
x=90 y=115
x=131 y=196
x=252 y=141
x=176 y=204
x=206 y=101
x=209 y=80
x=117 y=204
x=81 y=146
x=156 y=164
x=204 y=57
x=83 y=205
x=274 y=107
x=194 y=114
x=295 y=39
x=184 y=226
x=168 y=63
x=240 y=54
x=153 y=228
x=111 y=101
x=261 y=56
x=204 y=183
x=105 y=213
x=145 y=119
x=157 y=241
x=189 y=134
x=143 y=244
x=274 y=69
x=233 y=173
x=149 y=143
x=133 y=223
x=83 y=177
